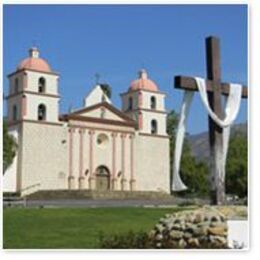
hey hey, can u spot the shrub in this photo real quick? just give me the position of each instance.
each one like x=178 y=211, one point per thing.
x=141 y=240
x=130 y=240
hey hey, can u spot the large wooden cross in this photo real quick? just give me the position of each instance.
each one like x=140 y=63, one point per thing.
x=215 y=88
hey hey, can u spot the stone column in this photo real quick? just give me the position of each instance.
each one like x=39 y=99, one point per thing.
x=114 y=177
x=140 y=120
x=132 y=180
x=24 y=106
x=71 y=178
x=92 y=177
x=81 y=152
x=140 y=99
x=123 y=179
x=24 y=100
x=25 y=80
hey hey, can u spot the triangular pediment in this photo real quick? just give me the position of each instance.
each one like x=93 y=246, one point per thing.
x=102 y=112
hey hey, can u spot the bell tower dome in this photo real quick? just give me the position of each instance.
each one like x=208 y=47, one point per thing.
x=33 y=91
x=144 y=103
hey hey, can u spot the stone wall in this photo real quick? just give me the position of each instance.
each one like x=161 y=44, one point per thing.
x=201 y=228
x=152 y=163
x=88 y=194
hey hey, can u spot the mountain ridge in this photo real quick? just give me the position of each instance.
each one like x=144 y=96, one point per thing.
x=199 y=143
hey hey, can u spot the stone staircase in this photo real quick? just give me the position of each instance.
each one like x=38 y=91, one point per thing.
x=11 y=199
x=90 y=194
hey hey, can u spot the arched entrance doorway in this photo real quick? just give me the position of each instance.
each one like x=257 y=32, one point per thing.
x=102 y=178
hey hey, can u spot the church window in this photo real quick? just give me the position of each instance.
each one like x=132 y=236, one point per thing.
x=16 y=85
x=102 y=140
x=42 y=112
x=154 y=126
x=102 y=170
x=153 y=102
x=130 y=103
x=41 y=85
x=14 y=112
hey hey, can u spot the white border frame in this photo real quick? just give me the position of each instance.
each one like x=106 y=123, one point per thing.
x=254 y=132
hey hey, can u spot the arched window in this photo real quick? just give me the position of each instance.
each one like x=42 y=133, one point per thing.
x=42 y=112
x=41 y=85
x=153 y=102
x=154 y=126
x=16 y=85
x=130 y=103
x=14 y=112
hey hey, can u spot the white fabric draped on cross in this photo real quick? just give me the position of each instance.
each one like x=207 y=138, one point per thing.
x=231 y=111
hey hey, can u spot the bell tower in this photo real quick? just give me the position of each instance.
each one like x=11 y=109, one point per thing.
x=33 y=91
x=33 y=120
x=144 y=103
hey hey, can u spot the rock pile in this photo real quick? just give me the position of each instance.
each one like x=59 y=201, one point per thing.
x=200 y=228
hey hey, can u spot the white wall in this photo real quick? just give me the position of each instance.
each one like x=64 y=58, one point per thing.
x=44 y=157
x=20 y=77
x=148 y=114
x=161 y=122
x=125 y=100
x=51 y=103
x=146 y=100
x=16 y=100
x=152 y=163
x=34 y=100
x=51 y=82
x=95 y=97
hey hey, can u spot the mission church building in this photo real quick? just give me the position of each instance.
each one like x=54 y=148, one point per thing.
x=97 y=147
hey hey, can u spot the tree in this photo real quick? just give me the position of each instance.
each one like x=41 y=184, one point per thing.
x=236 y=168
x=172 y=121
x=194 y=173
x=107 y=89
x=9 y=148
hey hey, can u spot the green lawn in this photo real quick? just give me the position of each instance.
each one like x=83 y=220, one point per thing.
x=73 y=228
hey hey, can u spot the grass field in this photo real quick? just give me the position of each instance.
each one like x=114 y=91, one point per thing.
x=79 y=228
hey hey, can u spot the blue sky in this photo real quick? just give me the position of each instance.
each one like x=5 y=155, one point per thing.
x=116 y=41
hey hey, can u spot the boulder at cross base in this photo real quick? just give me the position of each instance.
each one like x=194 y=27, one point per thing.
x=199 y=228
